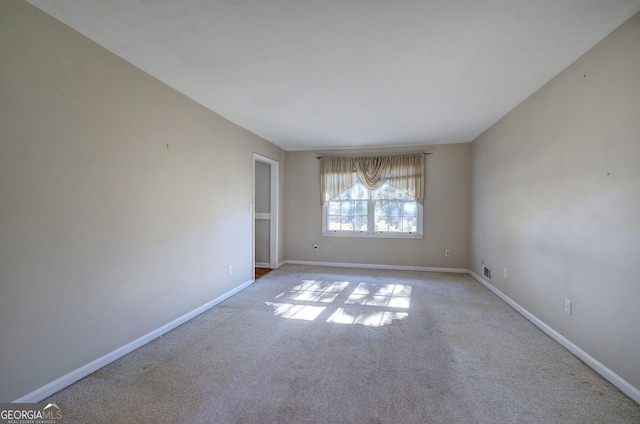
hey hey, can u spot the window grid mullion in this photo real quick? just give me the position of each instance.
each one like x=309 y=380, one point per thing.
x=371 y=213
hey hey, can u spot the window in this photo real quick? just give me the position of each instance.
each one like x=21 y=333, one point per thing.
x=384 y=212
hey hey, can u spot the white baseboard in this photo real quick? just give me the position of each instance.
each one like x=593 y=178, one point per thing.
x=70 y=378
x=378 y=266
x=598 y=367
x=263 y=265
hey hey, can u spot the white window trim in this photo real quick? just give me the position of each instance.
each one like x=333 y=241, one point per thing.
x=373 y=234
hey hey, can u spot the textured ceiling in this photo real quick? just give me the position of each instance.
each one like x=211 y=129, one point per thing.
x=312 y=74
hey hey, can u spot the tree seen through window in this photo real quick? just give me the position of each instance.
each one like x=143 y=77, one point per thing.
x=385 y=210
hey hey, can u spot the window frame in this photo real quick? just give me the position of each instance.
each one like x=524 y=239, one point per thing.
x=371 y=233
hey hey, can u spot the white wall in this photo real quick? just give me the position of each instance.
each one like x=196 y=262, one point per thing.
x=556 y=200
x=122 y=202
x=107 y=234
x=446 y=213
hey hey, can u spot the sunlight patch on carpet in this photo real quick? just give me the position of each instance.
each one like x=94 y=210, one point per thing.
x=372 y=319
x=392 y=295
x=369 y=304
x=303 y=312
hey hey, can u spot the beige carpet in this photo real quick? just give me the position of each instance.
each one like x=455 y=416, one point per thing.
x=334 y=345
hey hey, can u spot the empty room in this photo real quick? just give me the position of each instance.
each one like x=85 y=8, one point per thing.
x=320 y=211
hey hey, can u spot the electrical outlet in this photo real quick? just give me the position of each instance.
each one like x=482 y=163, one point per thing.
x=230 y=269
x=567 y=306
x=315 y=247
x=504 y=272
x=447 y=252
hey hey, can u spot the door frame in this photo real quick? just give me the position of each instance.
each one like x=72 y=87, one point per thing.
x=274 y=212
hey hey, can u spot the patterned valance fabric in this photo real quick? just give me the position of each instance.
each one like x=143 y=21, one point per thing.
x=336 y=176
x=373 y=172
x=404 y=172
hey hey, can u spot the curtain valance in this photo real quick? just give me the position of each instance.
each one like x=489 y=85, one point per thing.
x=404 y=172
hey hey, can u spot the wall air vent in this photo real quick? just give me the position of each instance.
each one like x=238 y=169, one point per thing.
x=487 y=271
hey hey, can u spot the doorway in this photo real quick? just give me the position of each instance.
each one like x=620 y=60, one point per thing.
x=265 y=212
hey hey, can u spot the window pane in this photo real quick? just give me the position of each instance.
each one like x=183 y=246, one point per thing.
x=409 y=208
x=361 y=207
x=381 y=223
x=395 y=223
x=394 y=208
x=360 y=192
x=382 y=192
x=347 y=194
x=347 y=208
x=410 y=224
x=347 y=223
x=382 y=206
x=361 y=223
x=395 y=193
